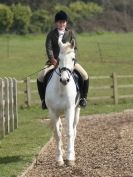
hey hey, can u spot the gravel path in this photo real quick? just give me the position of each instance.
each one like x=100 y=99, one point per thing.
x=104 y=148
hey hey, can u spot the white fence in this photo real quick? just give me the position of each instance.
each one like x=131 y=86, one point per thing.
x=8 y=106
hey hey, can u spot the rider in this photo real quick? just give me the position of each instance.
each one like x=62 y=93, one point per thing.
x=52 y=49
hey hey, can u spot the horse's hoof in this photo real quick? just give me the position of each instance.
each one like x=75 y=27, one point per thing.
x=70 y=162
x=60 y=163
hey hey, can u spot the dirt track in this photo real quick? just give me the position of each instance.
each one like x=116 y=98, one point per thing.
x=104 y=148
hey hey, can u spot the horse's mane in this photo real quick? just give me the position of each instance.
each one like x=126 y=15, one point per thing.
x=66 y=48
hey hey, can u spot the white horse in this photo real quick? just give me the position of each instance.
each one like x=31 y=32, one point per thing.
x=61 y=96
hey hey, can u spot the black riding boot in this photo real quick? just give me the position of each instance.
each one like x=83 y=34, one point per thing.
x=83 y=100
x=41 y=90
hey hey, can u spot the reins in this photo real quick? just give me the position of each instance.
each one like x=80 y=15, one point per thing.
x=35 y=72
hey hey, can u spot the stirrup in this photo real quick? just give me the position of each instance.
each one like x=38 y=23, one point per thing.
x=83 y=102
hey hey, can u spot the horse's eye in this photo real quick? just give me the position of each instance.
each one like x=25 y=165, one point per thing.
x=73 y=59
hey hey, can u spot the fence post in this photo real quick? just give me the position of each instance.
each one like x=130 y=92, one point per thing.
x=28 y=91
x=15 y=103
x=11 y=104
x=6 y=112
x=2 y=121
x=115 y=88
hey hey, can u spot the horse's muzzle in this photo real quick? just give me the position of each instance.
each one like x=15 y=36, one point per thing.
x=64 y=82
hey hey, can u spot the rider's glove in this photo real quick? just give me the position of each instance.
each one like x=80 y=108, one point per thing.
x=53 y=61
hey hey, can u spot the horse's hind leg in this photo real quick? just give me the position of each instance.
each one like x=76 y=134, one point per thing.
x=56 y=121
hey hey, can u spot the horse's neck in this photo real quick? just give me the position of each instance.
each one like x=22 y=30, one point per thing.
x=56 y=79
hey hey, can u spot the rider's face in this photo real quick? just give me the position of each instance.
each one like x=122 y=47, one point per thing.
x=61 y=24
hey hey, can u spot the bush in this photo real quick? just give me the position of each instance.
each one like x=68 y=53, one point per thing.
x=22 y=15
x=6 y=18
x=40 y=21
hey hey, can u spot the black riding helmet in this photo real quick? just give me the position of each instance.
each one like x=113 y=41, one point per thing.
x=61 y=15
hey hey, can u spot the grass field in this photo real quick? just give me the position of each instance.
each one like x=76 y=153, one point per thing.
x=22 y=55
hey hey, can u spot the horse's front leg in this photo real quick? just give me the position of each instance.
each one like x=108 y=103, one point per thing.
x=70 y=113
x=57 y=125
x=76 y=120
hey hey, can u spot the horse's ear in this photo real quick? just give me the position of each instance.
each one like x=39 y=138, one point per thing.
x=72 y=43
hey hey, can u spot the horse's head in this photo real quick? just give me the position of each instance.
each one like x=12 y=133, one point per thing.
x=66 y=60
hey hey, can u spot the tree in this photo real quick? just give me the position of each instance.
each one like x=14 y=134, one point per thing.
x=6 y=18
x=40 y=21
x=22 y=15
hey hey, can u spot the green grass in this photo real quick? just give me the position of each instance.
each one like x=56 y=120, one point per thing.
x=115 y=48
x=105 y=108
x=22 y=55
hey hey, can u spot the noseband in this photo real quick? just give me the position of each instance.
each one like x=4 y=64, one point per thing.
x=65 y=69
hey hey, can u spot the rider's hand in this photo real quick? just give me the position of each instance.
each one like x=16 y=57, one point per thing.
x=53 y=61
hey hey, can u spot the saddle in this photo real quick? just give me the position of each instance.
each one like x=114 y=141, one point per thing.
x=47 y=77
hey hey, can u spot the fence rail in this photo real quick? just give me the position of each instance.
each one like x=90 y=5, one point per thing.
x=8 y=106
x=113 y=86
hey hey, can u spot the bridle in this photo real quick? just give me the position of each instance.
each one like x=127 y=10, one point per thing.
x=60 y=70
x=65 y=69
